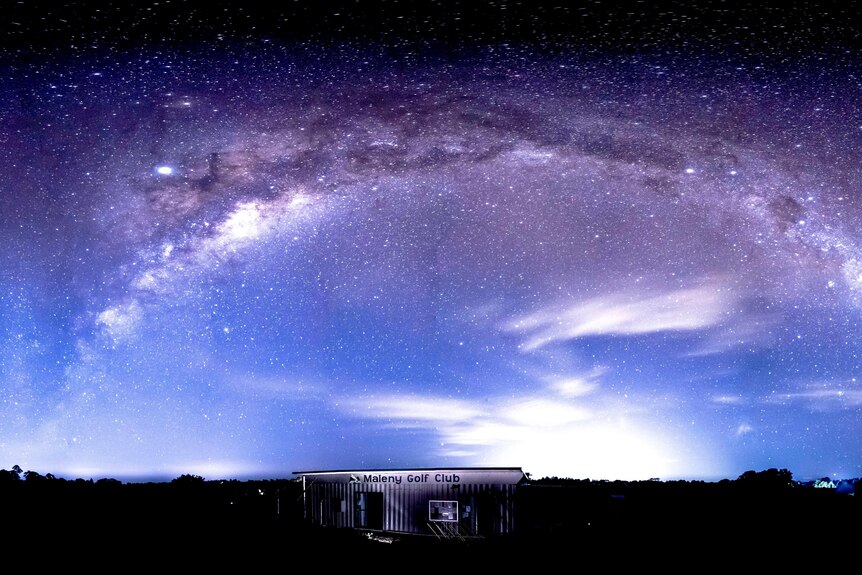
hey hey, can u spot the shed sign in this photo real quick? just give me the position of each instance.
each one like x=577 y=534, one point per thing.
x=405 y=478
x=418 y=476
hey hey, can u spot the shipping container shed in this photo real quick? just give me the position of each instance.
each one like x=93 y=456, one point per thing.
x=451 y=502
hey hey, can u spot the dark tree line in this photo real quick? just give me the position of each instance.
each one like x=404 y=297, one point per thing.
x=265 y=514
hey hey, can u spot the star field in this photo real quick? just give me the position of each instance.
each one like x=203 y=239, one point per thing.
x=608 y=242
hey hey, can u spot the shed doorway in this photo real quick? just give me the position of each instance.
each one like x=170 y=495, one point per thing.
x=368 y=511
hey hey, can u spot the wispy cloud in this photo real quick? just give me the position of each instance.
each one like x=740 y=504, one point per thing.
x=541 y=412
x=576 y=385
x=727 y=399
x=689 y=309
x=470 y=423
x=543 y=434
x=748 y=330
x=401 y=410
x=821 y=399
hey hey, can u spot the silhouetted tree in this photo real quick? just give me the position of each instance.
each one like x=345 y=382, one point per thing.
x=8 y=475
x=769 y=479
x=188 y=480
x=108 y=481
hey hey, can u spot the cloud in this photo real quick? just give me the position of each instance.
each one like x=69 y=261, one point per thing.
x=727 y=399
x=490 y=422
x=625 y=314
x=822 y=399
x=540 y=412
x=750 y=330
x=543 y=435
x=414 y=408
x=576 y=385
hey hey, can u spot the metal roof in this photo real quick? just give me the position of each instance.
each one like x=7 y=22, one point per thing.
x=405 y=470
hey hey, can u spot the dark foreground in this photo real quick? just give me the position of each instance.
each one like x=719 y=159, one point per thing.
x=110 y=527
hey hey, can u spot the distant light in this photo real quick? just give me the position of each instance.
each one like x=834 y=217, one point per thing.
x=165 y=170
x=689 y=170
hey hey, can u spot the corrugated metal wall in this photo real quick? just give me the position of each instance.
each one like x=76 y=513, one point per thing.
x=405 y=507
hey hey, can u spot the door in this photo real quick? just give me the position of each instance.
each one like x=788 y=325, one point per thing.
x=368 y=511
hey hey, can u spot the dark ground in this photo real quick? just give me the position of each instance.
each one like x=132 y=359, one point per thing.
x=108 y=526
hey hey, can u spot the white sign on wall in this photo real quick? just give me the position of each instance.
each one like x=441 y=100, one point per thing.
x=442 y=510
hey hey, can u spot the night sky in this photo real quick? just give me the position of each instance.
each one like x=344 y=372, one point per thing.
x=592 y=240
